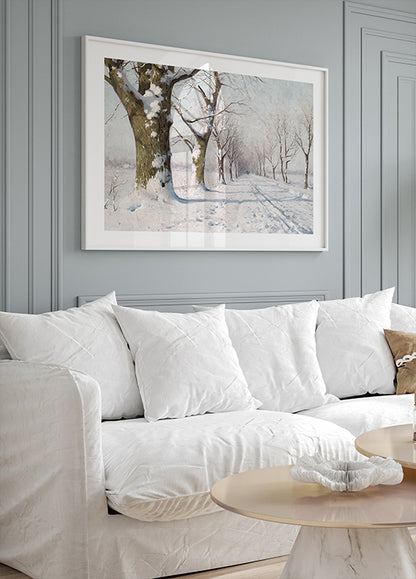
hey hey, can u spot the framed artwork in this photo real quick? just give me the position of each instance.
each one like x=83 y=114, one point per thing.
x=189 y=150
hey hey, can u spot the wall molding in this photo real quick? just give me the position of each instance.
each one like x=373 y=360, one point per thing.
x=5 y=160
x=57 y=155
x=184 y=301
x=31 y=166
x=370 y=10
x=368 y=31
x=361 y=22
x=399 y=180
x=398 y=57
x=3 y=43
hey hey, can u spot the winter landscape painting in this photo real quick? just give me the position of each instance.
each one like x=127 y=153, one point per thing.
x=202 y=151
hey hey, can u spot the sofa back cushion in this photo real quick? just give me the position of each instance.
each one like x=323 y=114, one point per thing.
x=352 y=351
x=277 y=353
x=87 y=339
x=185 y=363
x=403 y=318
x=4 y=352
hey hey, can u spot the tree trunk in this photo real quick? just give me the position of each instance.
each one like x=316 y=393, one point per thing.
x=220 y=162
x=282 y=170
x=148 y=107
x=198 y=160
x=150 y=126
x=153 y=156
x=306 y=182
x=286 y=168
x=222 y=172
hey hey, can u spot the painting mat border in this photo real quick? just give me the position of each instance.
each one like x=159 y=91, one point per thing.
x=94 y=235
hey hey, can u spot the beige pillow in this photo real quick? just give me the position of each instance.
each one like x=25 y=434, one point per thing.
x=403 y=348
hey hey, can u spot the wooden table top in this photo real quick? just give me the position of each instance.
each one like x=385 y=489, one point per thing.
x=394 y=441
x=271 y=494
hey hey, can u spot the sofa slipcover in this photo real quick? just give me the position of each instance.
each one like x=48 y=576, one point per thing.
x=53 y=511
x=164 y=471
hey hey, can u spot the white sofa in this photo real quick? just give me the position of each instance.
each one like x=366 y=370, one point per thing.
x=61 y=467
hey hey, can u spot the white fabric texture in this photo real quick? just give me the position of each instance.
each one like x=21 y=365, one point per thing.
x=53 y=513
x=352 y=351
x=360 y=415
x=185 y=363
x=132 y=549
x=87 y=339
x=164 y=471
x=4 y=353
x=277 y=353
x=51 y=471
x=403 y=318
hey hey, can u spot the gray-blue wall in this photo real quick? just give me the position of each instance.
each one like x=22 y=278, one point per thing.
x=371 y=228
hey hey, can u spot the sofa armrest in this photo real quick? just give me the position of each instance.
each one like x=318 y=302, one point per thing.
x=52 y=487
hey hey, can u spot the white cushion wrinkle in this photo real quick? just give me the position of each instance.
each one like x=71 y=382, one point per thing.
x=360 y=415
x=403 y=318
x=87 y=339
x=185 y=363
x=277 y=353
x=352 y=351
x=164 y=470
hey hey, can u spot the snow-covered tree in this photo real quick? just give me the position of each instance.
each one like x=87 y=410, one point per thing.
x=199 y=117
x=224 y=133
x=304 y=138
x=259 y=150
x=234 y=157
x=271 y=147
x=280 y=142
x=204 y=108
x=145 y=90
x=287 y=143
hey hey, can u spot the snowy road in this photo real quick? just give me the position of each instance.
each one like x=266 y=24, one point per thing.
x=249 y=204
x=275 y=206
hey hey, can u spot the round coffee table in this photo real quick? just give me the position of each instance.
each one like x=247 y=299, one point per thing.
x=344 y=535
x=394 y=441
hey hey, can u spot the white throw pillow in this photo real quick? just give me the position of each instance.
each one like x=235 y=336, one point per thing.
x=352 y=351
x=403 y=318
x=87 y=339
x=185 y=363
x=277 y=353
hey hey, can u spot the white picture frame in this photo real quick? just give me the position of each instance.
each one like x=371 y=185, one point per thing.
x=234 y=216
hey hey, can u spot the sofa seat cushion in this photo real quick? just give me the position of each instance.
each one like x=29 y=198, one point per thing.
x=163 y=471
x=360 y=415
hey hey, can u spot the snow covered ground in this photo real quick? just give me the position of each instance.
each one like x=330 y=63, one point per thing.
x=249 y=204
